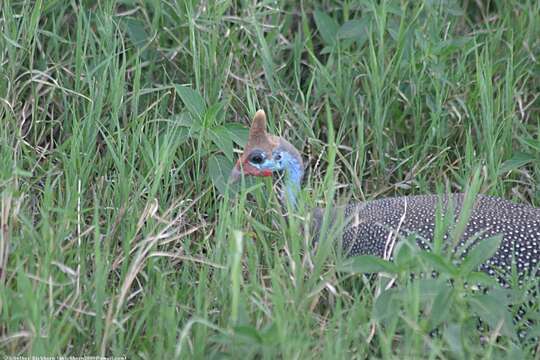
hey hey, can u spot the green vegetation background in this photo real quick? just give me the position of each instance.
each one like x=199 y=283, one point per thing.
x=118 y=121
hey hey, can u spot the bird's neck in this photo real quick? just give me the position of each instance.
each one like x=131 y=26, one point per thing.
x=293 y=180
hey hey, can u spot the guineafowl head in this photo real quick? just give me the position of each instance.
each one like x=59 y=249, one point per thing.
x=265 y=154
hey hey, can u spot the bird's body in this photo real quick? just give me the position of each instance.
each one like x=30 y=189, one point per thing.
x=369 y=226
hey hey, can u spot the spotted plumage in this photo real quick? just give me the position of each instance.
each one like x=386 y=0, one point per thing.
x=370 y=225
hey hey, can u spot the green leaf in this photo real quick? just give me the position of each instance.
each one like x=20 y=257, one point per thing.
x=429 y=288
x=453 y=335
x=214 y=114
x=183 y=119
x=267 y=59
x=219 y=168
x=531 y=142
x=327 y=27
x=238 y=133
x=187 y=128
x=385 y=305
x=448 y=47
x=352 y=29
x=22 y=173
x=441 y=305
x=479 y=253
x=367 y=264
x=394 y=8
x=136 y=32
x=481 y=278
x=327 y=50
x=404 y=255
x=193 y=101
x=507 y=297
x=438 y=263
x=534 y=332
x=518 y=160
x=490 y=309
x=355 y=29
x=515 y=352
x=248 y=333
x=270 y=334
x=221 y=138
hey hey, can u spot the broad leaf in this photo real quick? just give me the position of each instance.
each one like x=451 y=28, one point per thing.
x=219 y=168
x=481 y=278
x=214 y=114
x=480 y=253
x=404 y=255
x=531 y=142
x=429 y=288
x=438 y=262
x=327 y=27
x=385 y=305
x=490 y=309
x=193 y=101
x=453 y=334
x=518 y=160
x=238 y=133
x=249 y=333
x=355 y=30
x=367 y=264
x=136 y=32
x=534 y=332
x=183 y=119
x=448 y=47
x=441 y=305
x=270 y=334
x=221 y=138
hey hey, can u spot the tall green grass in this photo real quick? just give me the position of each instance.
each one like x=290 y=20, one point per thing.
x=119 y=121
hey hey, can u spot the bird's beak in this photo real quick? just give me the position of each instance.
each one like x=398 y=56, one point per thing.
x=236 y=174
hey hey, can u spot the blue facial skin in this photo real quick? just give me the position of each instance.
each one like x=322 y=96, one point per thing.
x=284 y=161
x=267 y=164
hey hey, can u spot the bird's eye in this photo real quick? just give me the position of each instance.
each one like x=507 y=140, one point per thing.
x=256 y=158
x=277 y=157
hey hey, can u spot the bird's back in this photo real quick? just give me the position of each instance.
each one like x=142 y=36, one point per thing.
x=371 y=225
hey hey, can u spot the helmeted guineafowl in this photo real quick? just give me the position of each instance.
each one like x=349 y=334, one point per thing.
x=371 y=223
